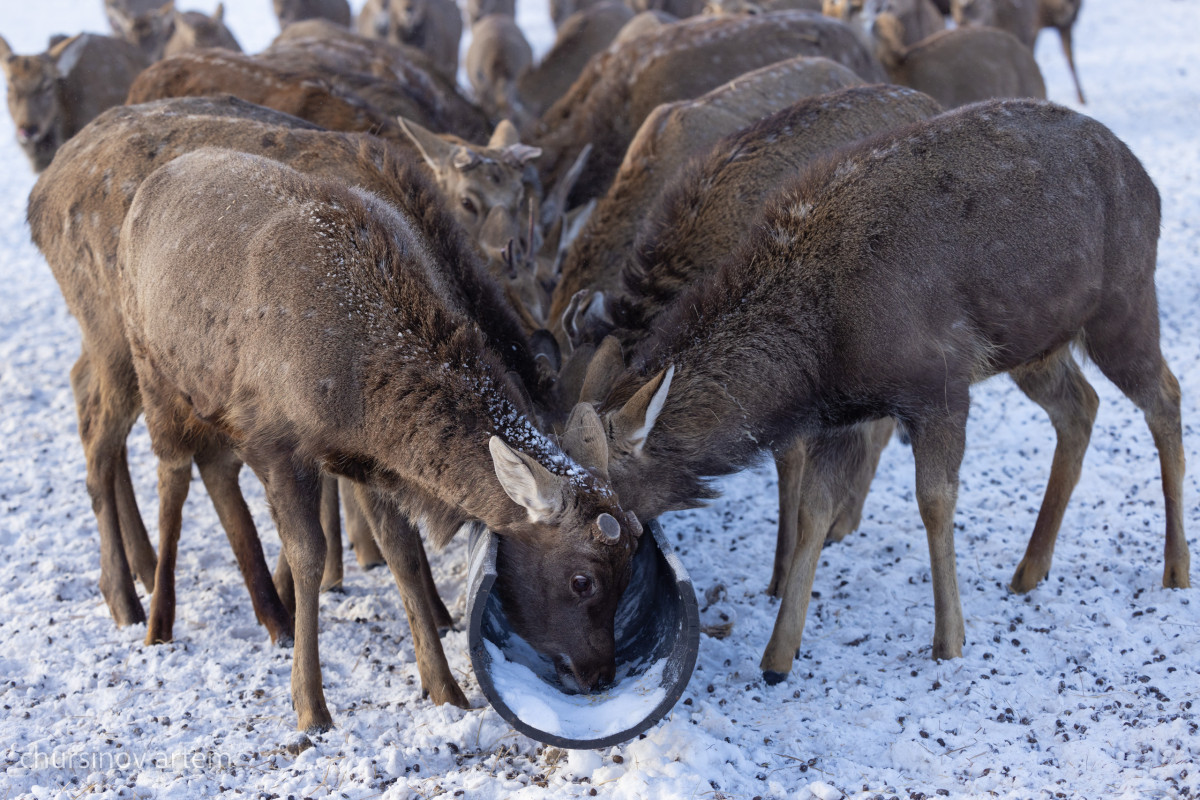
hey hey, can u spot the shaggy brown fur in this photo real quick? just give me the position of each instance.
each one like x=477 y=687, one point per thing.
x=124 y=146
x=358 y=360
x=672 y=134
x=619 y=88
x=1037 y=227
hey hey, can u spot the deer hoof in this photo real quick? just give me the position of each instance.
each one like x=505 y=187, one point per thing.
x=1026 y=578
x=774 y=678
x=334 y=586
x=1175 y=576
x=314 y=722
x=449 y=693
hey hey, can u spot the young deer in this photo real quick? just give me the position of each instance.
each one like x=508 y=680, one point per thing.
x=319 y=328
x=1037 y=229
x=694 y=227
x=52 y=95
x=74 y=220
x=620 y=87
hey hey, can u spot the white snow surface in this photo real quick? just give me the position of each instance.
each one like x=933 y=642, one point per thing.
x=1083 y=688
x=575 y=716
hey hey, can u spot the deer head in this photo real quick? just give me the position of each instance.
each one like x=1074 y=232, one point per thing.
x=33 y=101
x=563 y=569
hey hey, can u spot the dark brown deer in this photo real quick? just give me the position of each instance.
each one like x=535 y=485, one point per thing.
x=325 y=331
x=432 y=26
x=918 y=18
x=619 y=88
x=126 y=144
x=497 y=55
x=582 y=35
x=882 y=283
x=702 y=217
x=291 y=11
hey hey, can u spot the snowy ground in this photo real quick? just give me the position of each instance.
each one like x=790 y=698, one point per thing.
x=1083 y=688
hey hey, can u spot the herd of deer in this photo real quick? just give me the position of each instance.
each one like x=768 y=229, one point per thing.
x=685 y=242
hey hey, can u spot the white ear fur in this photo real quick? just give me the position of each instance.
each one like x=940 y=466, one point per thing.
x=637 y=436
x=525 y=481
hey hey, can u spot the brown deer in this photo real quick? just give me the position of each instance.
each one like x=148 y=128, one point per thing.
x=1018 y=17
x=619 y=88
x=580 y=36
x=385 y=74
x=478 y=9
x=958 y=66
x=1061 y=15
x=672 y=134
x=497 y=55
x=289 y=11
x=52 y=95
x=1038 y=229
x=122 y=13
x=432 y=26
x=126 y=144
x=918 y=18
x=760 y=6
x=701 y=218
x=193 y=30
x=366 y=361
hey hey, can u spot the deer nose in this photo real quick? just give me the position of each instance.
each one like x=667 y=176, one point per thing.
x=26 y=133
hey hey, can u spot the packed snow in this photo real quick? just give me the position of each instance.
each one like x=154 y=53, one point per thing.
x=1082 y=688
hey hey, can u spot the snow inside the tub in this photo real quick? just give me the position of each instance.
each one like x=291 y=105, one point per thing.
x=576 y=716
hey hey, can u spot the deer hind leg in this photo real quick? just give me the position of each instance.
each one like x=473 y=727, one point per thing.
x=1135 y=364
x=938 y=446
x=285 y=585
x=789 y=465
x=358 y=530
x=331 y=523
x=219 y=469
x=174 y=477
x=400 y=542
x=106 y=401
x=832 y=459
x=294 y=495
x=878 y=433
x=138 y=550
x=1058 y=386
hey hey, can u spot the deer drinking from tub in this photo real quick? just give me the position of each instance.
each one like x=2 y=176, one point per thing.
x=882 y=283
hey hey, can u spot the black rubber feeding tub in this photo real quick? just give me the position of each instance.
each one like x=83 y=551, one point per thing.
x=657 y=637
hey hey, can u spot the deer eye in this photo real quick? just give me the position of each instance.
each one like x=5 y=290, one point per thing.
x=582 y=585
x=469 y=205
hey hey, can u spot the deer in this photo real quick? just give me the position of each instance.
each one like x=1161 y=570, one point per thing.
x=619 y=88
x=562 y=10
x=497 y=55
x=127 y=143
x=1038 y=226
x=760 y=6
x=1018 y=17
x=1061 y=15
x=416 y=408
x=478 y=9
x=289 y=11
x=701 y=217
x=956 y=66
x=122 y=13
x=666 y=140
x=193 y=30
x=432 y=26
x=680 y=9
x=52 y=95
x=373 y=20
x=580 y=36
x=388 y=75
x=918 y=19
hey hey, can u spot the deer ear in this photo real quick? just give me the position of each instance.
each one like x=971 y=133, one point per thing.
x=435 y=150
x=217 y=15
x=526 y=482
x=583 y=439
x=633 y=423
x=602 y=371
x=504 y=136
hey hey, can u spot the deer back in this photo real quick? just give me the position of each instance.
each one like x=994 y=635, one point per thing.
x=673 y=133
x=619 y=88
x=966 y=65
